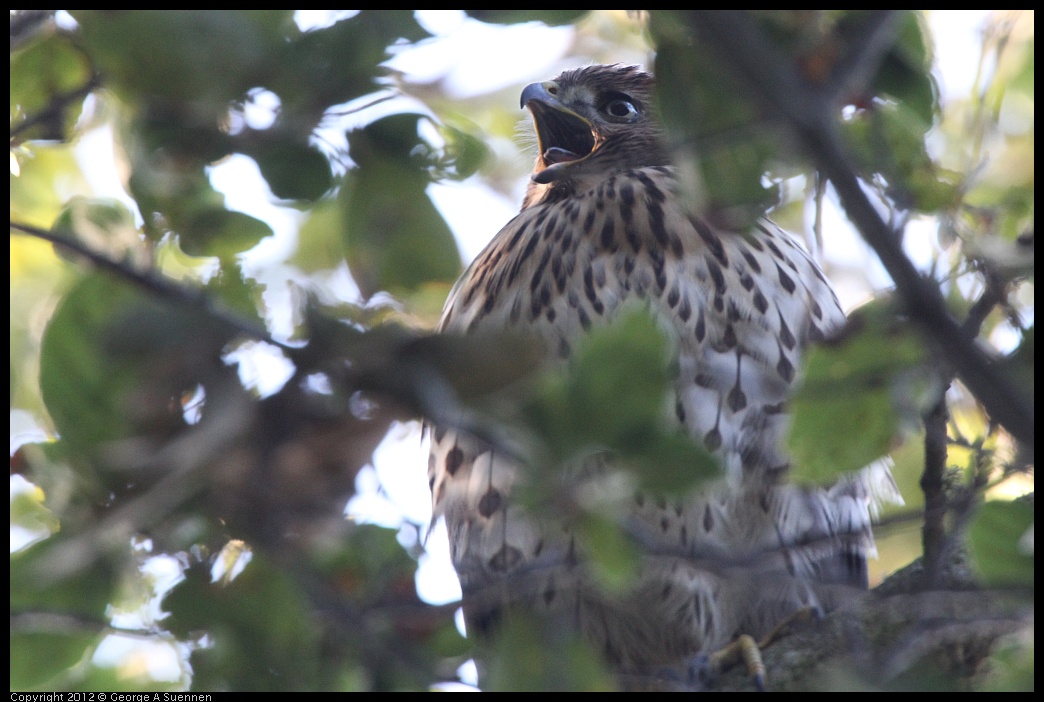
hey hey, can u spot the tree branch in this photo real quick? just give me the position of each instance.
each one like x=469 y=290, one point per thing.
x=151 y=282
x=809 y=112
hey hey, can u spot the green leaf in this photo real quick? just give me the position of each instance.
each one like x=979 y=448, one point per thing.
x=858 y=391
x=54 y=619
x=613 y=557
x=294 y=170
x=43 y=73
x=219 y=232
x=395 y=238
x=28 y=512
x=889 y=139
x=339 y=63
x=83 y=390
x=613 y=396
x=531 y=654
x=102 y=224
x=208 y=58
x=262 y=634
x=464 y=153
x=319 y=244
x=1000 y=540
x=722 y=145
x=114 y=363
x=905 y=73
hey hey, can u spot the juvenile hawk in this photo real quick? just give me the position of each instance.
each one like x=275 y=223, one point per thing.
x=601 y=227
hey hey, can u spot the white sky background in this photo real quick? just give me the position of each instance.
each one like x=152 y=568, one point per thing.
x=473 y=58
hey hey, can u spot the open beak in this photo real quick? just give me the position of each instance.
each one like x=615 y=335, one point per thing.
x=564 y=136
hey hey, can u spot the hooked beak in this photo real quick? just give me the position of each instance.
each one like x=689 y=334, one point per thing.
x=564 y=136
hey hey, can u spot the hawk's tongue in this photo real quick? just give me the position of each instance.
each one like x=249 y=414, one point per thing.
x=557 y=154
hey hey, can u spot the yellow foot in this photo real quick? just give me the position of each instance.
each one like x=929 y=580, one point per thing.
x=746 y=649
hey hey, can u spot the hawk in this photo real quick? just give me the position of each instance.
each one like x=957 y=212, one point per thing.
x=602 y=227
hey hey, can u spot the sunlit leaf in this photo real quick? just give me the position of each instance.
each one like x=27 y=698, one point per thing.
x=44 y=75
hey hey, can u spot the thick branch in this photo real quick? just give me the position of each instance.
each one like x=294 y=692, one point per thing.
x=809 y=111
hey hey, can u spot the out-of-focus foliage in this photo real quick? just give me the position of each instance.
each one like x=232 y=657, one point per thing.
x=160 y=452
x=872 y=376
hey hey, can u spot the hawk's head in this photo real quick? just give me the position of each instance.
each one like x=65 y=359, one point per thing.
x=591 y=122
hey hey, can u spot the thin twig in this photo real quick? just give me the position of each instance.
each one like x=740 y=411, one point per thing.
x=54 y=108
x=151 y=282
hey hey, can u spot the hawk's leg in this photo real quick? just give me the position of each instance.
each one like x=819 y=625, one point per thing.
x=745 y=648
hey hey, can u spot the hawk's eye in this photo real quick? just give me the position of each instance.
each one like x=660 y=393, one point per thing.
x=620 y=109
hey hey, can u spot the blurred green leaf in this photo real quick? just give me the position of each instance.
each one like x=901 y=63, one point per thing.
x=219 y=232
x=719 y=140
x=37 y=657
x=464 y=153
x=1011 y=665
x=1000 y=541
x=113 y=365
x=534 y=655
x=29 y=512
x=320 y=246
x=294 y=170
x=335 y=64
x=42 y=75
x=34 y=199
x=230 y=51
x=262 y=633
x=395 y=238
x=612 y=396
x=614 y=558
x=889 y=138
x=905 y=74
x=103 y=225
x=858 y=391
x=54 y=622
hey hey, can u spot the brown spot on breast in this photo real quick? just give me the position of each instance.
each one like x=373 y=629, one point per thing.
x=490 y=503
x=505 y=559
x=785 y=280
x=785 y=336
x=785 y=368
x=760 y=303
x=751 y=261
x=454 y=459
x=737 y=399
